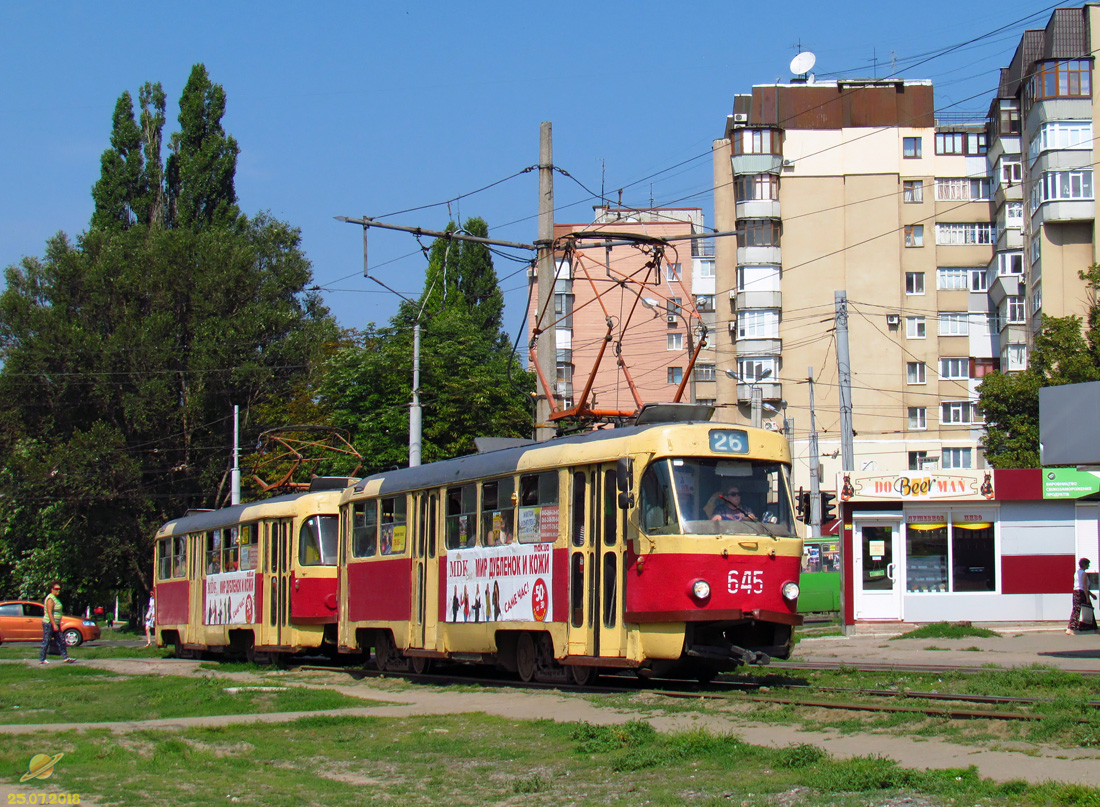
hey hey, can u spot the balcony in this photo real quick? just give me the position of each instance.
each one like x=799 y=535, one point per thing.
x=756 y=256
x=759 y=347
x=769 y=391
x=1063 y=210
x=758 y=299
x=758 y=209
x=1009 y=238
x=1005 y=286
x=756 y=164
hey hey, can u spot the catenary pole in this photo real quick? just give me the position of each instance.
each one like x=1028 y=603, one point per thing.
x=546 y=347
x=844 y=380
x=415 y=430
x=815 y=483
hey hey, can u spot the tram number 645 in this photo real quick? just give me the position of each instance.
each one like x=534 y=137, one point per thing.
x=751 y=582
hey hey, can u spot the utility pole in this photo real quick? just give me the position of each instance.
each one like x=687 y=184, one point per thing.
x=757 y=406
x=546 y=350
x=235 y=472
x=815 y=483
x=844 y=379
x=415 y=439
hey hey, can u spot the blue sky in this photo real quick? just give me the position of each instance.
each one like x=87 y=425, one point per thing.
x=353 y=109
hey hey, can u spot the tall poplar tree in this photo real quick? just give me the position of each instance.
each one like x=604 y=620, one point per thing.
x=124 y=352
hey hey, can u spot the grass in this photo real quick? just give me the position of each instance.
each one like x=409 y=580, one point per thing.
x=476 y=759
x=947 y=630
x=74 y=694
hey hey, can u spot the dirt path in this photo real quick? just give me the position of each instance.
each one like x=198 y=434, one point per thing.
x=1036 y=764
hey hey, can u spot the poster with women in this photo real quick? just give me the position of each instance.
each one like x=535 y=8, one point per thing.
x=230 y=599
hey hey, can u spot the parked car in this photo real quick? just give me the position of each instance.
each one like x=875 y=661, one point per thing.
x=21 y=621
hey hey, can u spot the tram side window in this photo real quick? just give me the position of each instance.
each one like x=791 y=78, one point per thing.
x=317 y=541
x=538 y=513
x=364 y=529
x=394 y=525
x=249 y=547
x=231 y=539
x=461 y=517
x=658 y=513
x=214 y=552
x=179 y=557
x=164 y=558
x=498 y=511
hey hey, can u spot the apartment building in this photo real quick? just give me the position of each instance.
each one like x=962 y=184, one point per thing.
x=858 y=186
x=633 y=309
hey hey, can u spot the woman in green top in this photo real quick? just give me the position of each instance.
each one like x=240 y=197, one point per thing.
x=51 y=625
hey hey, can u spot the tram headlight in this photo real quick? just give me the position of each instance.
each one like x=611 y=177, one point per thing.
x=790 y=591
x=700 y=589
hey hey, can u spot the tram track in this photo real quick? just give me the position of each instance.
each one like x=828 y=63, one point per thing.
x=930 y=703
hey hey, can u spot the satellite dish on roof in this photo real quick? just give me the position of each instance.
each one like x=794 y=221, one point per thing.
x=803 y=63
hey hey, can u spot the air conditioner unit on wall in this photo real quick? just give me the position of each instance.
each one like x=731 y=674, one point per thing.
x=740 y=117
x=893 y=320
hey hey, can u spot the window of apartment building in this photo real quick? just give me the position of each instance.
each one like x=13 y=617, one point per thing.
x=1014 y=215
x=1061 y=186
x=675 y=375
x=1010 y=263
x=756 y=188
x=915 y=372
x=753 y=369
x=968 y=143
x=1061 y=135
x=1010 y=120
x=954 y=369
x=956 y=458
x=675 y=341
x=704 y=303
x=1012 y=172
x=962 y=234
x=706 y=267
x=914 y=282
x=1014 y=358
x=918 y=417
x=1037 y=298
x=758 y=233
x=563 y=310
x=758 y=278
x=757 y=141
x=1059 y=78
x=962 y=189
x=919 y=460
x=704 y=372
x=915 y=328
x=954 y=413
x=952 y=278
x=913 y=191
x=1015 y=310
x=1036 y=245
x=978 y=280
x=954 y=323
x=675 y=271
x=762 y=324
x=980 y=368
x=706 y=401
x=911 y=147
x=672 y=308
x=914 y=235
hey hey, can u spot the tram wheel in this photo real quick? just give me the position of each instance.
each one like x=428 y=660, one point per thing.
x=526 y=657
x=385 y=651
x=582 y=676
x=419 y=664
x=177 y=649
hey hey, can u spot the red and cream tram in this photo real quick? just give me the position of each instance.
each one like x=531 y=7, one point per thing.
x=668 y=548
x=258 y=579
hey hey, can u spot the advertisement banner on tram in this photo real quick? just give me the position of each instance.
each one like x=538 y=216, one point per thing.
x=508 y=583
x=230 y=598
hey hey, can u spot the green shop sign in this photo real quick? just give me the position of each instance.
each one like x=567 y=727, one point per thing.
x=1069 y=483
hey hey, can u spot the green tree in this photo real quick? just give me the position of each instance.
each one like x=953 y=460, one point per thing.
x=1063 y=353
x=124 y=352
x=470 y=383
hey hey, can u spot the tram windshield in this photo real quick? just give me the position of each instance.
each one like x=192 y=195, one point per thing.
x=691 y=495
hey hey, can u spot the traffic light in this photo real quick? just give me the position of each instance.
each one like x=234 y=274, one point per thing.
x=828 y=509
x=802 y=506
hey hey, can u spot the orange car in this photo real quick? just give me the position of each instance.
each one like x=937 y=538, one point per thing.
x=21 y=621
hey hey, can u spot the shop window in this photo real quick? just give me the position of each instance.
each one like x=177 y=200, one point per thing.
x=973 y=557
x=926 y=557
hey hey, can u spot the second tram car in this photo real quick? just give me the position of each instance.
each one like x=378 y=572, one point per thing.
x=668 y=548
x=258 y=579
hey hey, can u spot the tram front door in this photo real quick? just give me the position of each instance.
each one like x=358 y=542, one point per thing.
x=596 y=566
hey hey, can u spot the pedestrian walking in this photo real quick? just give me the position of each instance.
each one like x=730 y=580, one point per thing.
x=1081 y=597
x=51 y=625
x=150 y=619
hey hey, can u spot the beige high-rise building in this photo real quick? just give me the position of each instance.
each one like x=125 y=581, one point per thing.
x=855 y=186
x=950 y=235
